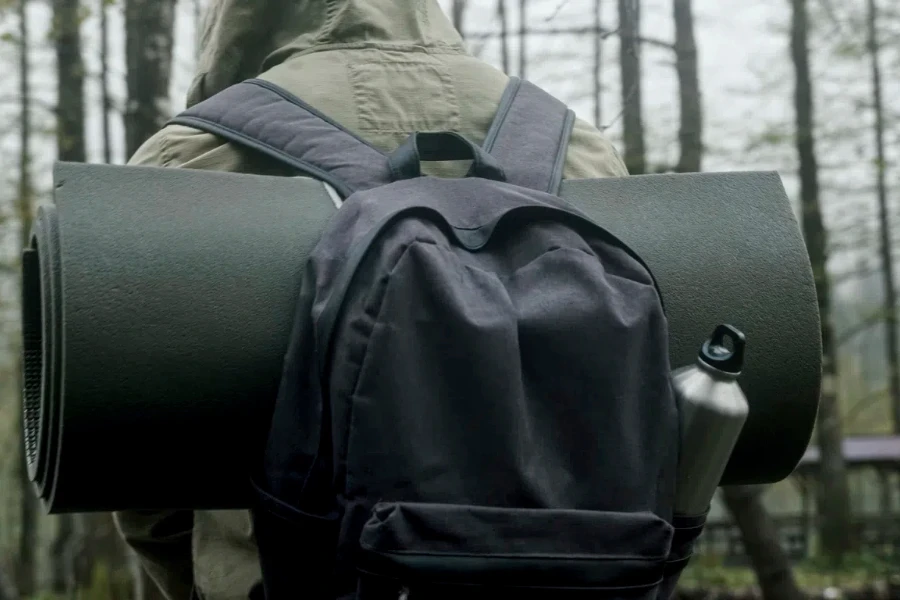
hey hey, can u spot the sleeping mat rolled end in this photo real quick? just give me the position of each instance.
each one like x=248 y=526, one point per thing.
x=158 y=303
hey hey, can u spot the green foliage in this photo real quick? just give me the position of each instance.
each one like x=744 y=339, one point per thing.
x=846 y=48
x=708 y=573
x=84 y=13
x=860 y=567
x=773 y=135
x=45 y=595
x=106 y=584
x=858 y=570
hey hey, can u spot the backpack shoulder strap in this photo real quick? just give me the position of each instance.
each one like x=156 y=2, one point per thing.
x=530 y=136
x=258 y=114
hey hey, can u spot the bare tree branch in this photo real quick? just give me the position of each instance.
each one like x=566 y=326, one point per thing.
x=556 y=11
x=842 y=278
x=862 y=404
x=35 y=102
x=828 y=7
x=865 y=324
x=585 y=30
x=621 y=112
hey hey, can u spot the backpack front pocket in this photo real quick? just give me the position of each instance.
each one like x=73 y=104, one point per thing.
x=432 y=551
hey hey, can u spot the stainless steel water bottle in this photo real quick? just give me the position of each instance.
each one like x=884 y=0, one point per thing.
x=713 y=411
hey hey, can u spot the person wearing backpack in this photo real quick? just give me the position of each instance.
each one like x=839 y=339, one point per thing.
x=381 y=70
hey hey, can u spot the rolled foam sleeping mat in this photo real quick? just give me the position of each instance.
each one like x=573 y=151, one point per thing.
x=158 y=304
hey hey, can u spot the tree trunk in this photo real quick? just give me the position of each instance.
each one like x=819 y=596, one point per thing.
x=760 y=539
x=26 y=187
x=104 y=541
x=151 y=590
x=70 y=81
x=61 y=553
x=144 y=587
x=630 y=72
x=25 y=574
x=198 y=30
x=7 y=587
x=149 y=28
x=598 y=63
x=887 y=262
x=833 y=495
x=504 y=35
x=101 y=543
x=134 y=563
x=70 y=147
x=149 y=31
x=758 y=532
x=690 y=133
x=104 y=81
x=457 y=13
x=523 y=37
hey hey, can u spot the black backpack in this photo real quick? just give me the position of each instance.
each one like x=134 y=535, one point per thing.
x=476 y=400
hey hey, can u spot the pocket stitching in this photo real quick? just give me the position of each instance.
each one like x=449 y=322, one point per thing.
x=661 y=557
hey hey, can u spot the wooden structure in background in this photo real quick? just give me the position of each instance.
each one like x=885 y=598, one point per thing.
x=870 y=460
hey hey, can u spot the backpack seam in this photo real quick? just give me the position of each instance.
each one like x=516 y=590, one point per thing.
x=556 y=175
x=547 y=556
x=365 y=354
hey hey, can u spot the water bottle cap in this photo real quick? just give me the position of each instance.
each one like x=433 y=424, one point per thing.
x=718 y=356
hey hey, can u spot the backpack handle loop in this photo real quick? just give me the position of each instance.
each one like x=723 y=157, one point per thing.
x=406 y=161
